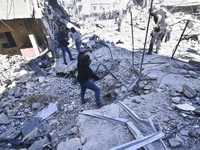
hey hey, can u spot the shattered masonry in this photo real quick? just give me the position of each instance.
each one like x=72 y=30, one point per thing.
x=40 y=104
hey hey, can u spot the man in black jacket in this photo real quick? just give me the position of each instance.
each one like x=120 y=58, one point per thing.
x=84 y=74
x=63 y=41
x=159 y=28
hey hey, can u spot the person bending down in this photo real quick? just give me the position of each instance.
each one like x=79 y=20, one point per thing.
x=84 y=74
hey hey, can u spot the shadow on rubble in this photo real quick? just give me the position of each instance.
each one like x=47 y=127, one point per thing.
x=23 y=114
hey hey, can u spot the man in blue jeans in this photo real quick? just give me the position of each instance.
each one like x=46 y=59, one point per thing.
x=63 y=41
x=159 y=28
x=84 y=74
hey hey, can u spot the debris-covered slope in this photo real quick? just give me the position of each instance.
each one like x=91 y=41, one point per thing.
x=55 y=97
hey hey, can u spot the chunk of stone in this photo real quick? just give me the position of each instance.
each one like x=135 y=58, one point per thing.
x=152 y=76
x=11 y=92
x=198 y=131
x=74 y=130
x=173 y=143
x=11 y=112
x=8 y=132
x=183 y=71
x=36 y=105
x=192 y=72
x=30 y=125
x=185 y=107
x=74 y=144
x=189 y=92
x=50 y=109
x=184 y=132
x=4 y=119
x=41 y=79
x=39 y=144
x=123 y=89
x=176 y=100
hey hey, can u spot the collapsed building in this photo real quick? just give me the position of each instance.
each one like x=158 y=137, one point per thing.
x=28 y=27
x=44 y=111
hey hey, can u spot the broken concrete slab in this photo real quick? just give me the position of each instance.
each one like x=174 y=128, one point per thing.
x=8 y=132
x=39 y=145
x=50 y=109
x=174 y=143
x=29 y=126
x=185 y=107
x=189 y=92
x=4 y=119
x=72 y=144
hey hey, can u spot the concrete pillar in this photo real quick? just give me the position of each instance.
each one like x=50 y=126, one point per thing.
x=32 y=37
x=34 y=43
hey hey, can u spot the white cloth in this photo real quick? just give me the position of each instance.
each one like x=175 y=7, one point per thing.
x=75 y=36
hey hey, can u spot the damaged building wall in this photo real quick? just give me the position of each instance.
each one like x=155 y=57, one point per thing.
x=31 y=26
x=15 y=35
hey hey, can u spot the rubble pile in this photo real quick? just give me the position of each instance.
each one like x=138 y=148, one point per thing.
x=45 y=112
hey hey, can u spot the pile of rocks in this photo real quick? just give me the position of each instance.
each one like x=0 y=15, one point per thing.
x=41 y=111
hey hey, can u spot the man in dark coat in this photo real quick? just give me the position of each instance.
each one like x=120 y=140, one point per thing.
x=159 y=28
x=63 y=41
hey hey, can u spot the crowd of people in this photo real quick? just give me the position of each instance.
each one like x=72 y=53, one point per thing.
x=106 y=15
x=85 y=73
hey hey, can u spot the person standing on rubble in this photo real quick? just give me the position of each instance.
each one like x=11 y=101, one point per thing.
x=76 y=38
x=119 y=24
x=63 y=41
x=84 y=74
x=159 y=28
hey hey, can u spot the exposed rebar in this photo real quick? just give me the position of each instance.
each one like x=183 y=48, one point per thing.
x=146 y=38
x=132 y=39
x=180 y=39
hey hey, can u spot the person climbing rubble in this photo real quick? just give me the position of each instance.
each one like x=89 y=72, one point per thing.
x=62 y=37
x=84 y=74
x=119 y=24
x=76 y=38
x=159 y=28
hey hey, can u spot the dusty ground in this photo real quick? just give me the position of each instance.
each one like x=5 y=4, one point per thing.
x=160 y=88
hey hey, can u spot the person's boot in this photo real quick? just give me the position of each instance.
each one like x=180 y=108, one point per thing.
x=85 y=100
x=101 y=105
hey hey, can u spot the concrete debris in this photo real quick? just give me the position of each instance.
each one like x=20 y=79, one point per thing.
x=190 y=93
x=185 y=107
x=40 y=103
x=74 y=144
x=4 y=119
x=31 y=125
x=173 y=143
x=50 y=109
